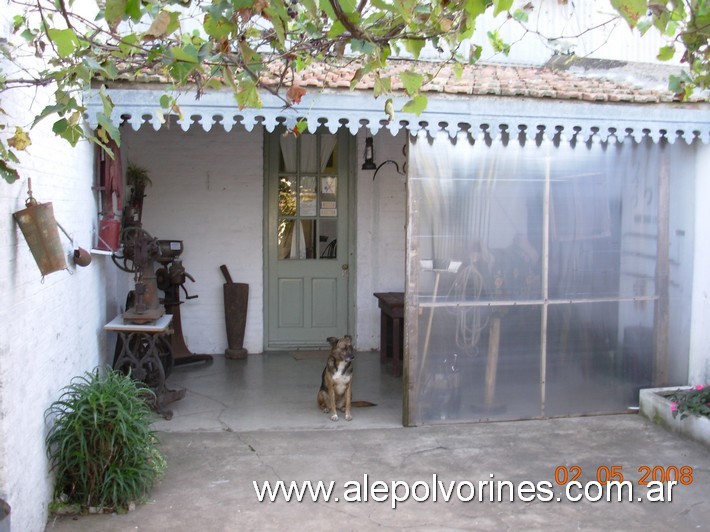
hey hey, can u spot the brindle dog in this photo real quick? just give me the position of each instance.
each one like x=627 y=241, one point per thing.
x=336 y=391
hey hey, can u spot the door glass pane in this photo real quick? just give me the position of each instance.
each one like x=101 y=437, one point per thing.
x=287 y=197
x=307 y=203
x=309 y=235
x=330 y=162
x=308 y=200
x=284 y=238
x=309 y=153
x=327 y=240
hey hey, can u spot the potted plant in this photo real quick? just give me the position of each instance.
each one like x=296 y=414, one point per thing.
x=137 y=176
x=100 y=444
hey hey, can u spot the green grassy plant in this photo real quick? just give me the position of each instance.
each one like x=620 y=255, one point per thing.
x=100 y=444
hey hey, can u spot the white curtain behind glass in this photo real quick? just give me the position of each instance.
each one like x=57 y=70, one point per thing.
x=309 y=155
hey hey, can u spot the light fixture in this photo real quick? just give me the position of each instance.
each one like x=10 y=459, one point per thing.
x=369 y=163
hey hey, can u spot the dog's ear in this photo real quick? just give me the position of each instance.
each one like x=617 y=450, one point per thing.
x=332 y=340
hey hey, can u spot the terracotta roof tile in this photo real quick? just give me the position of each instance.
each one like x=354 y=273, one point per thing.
x=476 y=80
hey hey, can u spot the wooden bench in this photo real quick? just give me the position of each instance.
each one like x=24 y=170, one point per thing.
x=391 y=327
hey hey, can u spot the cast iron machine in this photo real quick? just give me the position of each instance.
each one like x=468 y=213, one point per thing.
x=140 y=252
x=171 y=276
x=143 y=347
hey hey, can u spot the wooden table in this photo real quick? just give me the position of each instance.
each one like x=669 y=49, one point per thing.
x=391 y=326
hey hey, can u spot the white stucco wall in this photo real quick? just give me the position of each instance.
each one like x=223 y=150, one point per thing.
x=699 y=363
x=52 y=328
x=381 y=219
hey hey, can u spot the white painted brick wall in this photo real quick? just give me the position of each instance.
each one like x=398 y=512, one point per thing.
x=52 y=328
x=208 y=192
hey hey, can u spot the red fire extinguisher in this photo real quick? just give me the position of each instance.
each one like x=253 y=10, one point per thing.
x=110 y=186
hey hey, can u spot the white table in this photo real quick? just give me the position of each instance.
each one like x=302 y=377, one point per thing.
x=144 y=351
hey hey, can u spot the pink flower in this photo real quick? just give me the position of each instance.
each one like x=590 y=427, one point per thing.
x=698 y=386
x=674 y=407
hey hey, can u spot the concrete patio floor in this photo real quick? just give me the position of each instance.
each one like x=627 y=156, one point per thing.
x=215 y=457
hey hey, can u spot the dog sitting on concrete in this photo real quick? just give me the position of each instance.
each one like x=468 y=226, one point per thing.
x=336 y=390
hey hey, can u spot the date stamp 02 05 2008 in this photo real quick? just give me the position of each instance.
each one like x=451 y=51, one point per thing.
x=683 y=474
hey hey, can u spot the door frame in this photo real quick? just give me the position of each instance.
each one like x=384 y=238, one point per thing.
x=347 y=144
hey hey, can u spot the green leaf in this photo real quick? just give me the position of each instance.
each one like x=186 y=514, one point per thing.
x=497 y=42
x=412 y=81
x=501 y=5
x=416 y=105
x=666 y=53
x=520 y=15
x=17 y=21
x=310 y=6
x=474 y=8
x=48 y=110
x=241 y=4
x=115 y=10
x=458 y=70
x=174 y=23
x=8 y=174
x=630 y=10
x=335 y=30
x=250 y=56
x=128 y=45
x=671 y=29
x=327 y=9
x=247 y=95
x=68 y=131
x=218 y=28
x=133 y=9
x=382 y=86
x=27 y=35
x=180 y=70
x=644 y=25
x=474 y=54
x=301 y=125
x=186 y=54
x=106 y=101
x=362 y=47
x=66 y=41
x=107 y=124
x=414 y=47
x=382 y=5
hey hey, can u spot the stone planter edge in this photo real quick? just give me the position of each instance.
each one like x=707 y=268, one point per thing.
x=657 y=408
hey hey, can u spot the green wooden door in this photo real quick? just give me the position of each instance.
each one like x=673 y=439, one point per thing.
x=308 y=254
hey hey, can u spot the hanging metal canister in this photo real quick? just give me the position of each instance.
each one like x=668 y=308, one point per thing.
x=42 y=234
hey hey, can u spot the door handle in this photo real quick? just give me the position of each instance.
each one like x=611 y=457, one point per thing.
x=345 y=266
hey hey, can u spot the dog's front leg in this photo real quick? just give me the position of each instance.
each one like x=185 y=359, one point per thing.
x=348 y=402
x=331 y=401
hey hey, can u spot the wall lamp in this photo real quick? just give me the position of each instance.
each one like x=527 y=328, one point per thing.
x=370 y=164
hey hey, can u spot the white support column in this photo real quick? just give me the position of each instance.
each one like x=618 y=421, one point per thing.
x=699 y=362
